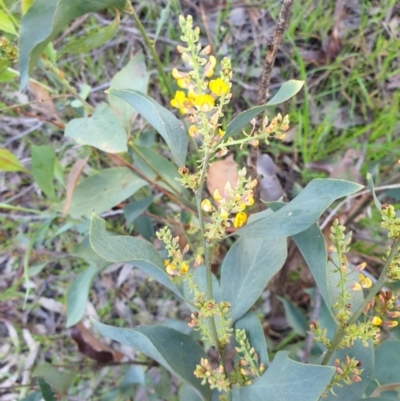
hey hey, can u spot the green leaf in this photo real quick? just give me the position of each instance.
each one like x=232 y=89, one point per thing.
x=133 y=76
x=295 y=318
x=8 y=162
x=91 y=41
x=47 y=392
x=255 y=335
x=36 y=396
x=104 y=190
x=287 y=380
x=44 y=20
x=247 y=268
x=120 y=248
x=287 y=90
x=161 y=119
x=370 y=184
x=134 y=209
x=175 y=351
x=357 y=389
x=43 y=159
x=103 y=130
x=144 y=227
x=6 y=24
x=301 y=212
x=60 y=381
x=4 y=64
x=78 y=294
x=387 y=362
x=187 y=393
x=157 y=168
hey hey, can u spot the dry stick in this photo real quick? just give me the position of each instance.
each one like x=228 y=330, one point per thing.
x=263 y=92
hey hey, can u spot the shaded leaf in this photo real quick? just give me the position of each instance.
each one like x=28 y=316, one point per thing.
x=78 y=294
x=44 y=20
x=175 y=351
x=129 y=249
x=43 y=160
x=285 y=380
x=188 y=393
x=286 y=91
x=301 y=212
x=6 y=25
x=255 y=335
x=47 y=392
x=295 y=318
x=387 y=362
x=134 y=209
x=93 y=348
x=8 y=162
x=133 y=76
x=104 y=190
x=61 y=381
x=161 y=119
x=102 y=130
x=247 y=268
x=91 y=41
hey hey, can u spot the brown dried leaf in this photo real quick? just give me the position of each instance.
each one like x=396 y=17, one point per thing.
x=93 y=348
x=45 y=105
x=72 y=180
x=220 y=172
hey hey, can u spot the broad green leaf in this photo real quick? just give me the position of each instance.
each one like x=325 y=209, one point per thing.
x=121 y=248
x=187 y=393
x=387 y=362
x=157 y=168
x=134 y=209
x=303 y=211
x=104 y=190
x=61 y=381
x=78 y=294
x=287 y=380
x=287 y=90
x=255 y=335
x=6 y=24
x=161 y=119
x=102 y=130
x=144 y=227
x=133 y=76
x=247 y=268
x=85 y=251
x=357 y=389
x=175 y=351
x=295 y=318
x=8 y=162
x=46 y=390
x=91 y=41
x=44 y=20
x=42 y=165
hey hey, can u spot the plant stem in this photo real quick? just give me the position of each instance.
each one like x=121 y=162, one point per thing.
x=206 y=245
x=153 y=52
x=374 y=290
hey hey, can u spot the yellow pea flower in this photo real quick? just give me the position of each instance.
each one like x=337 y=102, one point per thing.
x=171 y=269
x=391 y=323
x=204 y=102
x=209 y=68
x=184 y=267
x=193 y=130
x=217 y=196
x=376 y=321
x=206 y=206
x=218 y=87
x=365 y=281
x=179 y=101
x=240 y=219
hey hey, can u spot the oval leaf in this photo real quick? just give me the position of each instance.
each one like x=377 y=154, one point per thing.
x=246 y=270
x=44 y=20
x=8 y=162
x=161 y=119
x=175 y=351
x=59 y=380
x=303 y=211
x=42 y=164
x=104 y=190
x=121 y=248
x=287 y=90
x=103 y=130
x=285 y=380
x=91 y=41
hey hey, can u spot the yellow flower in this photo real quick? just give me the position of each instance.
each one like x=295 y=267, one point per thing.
x=206 y=206
x=171 y=269
x=223 y=214
x=356 y=287
x=365 y=281
x=220 y=132
x=184 y=267
x=249 y=201
x=177 y=74
x=183 y=82
x=376 y=321
x=240 y=219
x=217 y=196
x=193 y=130
x=391 y=323
x=179 y=101
x=218 y=87
x=209 y=68
x=204 y=102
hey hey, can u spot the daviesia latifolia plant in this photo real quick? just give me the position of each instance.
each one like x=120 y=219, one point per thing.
x=221 y=307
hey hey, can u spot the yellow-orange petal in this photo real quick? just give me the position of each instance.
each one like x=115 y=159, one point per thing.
x=206 y=205
x=218 y=87
x=376 y=321
x=240 y=219
x=204 y=102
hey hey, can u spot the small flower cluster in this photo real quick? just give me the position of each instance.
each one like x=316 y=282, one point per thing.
x=233 y=200
x=175 y=266
x=390 y=221
x=249 y=365
x=393 y=272
x=216 y=378
x=204 y=99
x=9 y=49
x=383 y=304
x=347 y=372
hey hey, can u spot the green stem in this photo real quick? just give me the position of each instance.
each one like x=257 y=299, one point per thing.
x=206 y=246
x=19 y=208
x=374 y=290
x=153 y=52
